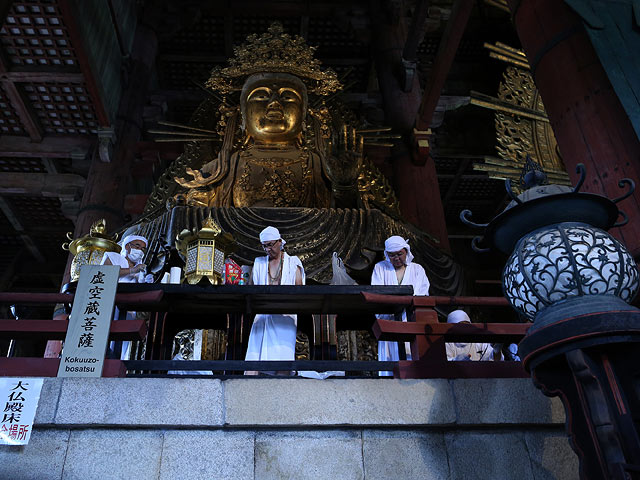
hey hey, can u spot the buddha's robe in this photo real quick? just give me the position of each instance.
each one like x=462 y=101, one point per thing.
x=385 y=274
x=273 y=336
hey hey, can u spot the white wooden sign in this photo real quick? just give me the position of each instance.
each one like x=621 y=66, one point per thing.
x=18 y=402
x=86 y=342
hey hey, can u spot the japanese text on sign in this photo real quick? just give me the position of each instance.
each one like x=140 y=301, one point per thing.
x=18 y=402
x=89 y=322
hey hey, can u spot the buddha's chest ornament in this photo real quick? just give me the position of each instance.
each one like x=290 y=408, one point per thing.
x=272 y=178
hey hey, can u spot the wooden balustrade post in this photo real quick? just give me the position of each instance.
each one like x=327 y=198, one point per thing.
x=426 y=347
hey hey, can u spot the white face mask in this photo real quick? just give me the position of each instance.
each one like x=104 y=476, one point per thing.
x=135 y=255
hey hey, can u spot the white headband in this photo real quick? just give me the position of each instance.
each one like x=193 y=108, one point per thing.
x=271 y=234
x=131 y=238
x=458 y=316
x=395 y=244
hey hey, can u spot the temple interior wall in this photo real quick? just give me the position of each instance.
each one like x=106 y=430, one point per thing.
x=269 y=428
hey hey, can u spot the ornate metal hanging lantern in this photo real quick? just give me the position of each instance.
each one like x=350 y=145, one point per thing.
x=559 y=249
x=575 y=281
x=89 y=249
x=204 y=252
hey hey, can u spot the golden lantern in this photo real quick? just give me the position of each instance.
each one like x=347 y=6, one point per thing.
x=90 y=249
x=204 y=252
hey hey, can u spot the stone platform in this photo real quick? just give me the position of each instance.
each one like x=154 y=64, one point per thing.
x=270 y=428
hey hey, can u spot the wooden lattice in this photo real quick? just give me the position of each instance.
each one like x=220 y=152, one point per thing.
x=332 y=40
x=245 y=26
x=205 y=36
x=22 y=165
x=180 y=74
x=9 y=120
x=38 y=211
x=62 y=108
x=34 y=34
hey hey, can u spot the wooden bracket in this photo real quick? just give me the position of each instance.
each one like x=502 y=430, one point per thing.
x=420 y=138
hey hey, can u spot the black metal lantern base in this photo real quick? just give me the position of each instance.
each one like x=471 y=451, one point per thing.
x=592 y=361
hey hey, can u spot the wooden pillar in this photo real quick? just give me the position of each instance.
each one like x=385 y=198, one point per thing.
x=108 y=182
x=588 y=119
x=416 y=185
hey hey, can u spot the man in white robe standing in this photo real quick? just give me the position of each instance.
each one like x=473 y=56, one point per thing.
x=397 y=269
x=132 y=270
x=273 y=336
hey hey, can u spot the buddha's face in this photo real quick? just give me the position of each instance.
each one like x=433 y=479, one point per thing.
x=274 y=110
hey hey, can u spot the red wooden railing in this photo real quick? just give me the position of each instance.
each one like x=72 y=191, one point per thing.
x=135 y=330
x=427 y=336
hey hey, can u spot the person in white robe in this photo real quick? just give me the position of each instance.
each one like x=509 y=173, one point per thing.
x=273 y=336
x=397 y=269
x=132 y=270
x=460 y=351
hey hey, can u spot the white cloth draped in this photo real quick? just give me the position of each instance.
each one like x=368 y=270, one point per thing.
x=474 y=352
x=385 y=274
x=121 y=261
x=273 y=336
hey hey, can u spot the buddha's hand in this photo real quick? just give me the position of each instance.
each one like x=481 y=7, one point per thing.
x=342 y=165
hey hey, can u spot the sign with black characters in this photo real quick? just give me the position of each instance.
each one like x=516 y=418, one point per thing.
x=18 y=402
x=89 y=322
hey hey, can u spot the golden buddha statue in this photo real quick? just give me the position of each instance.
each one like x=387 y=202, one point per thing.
x=273 y=134
x=285 y=155
x=273 y=145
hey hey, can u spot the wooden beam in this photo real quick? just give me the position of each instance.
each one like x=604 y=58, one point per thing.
x=8 y=274
x=40 y=76
x=50 y=146
x=17 y=225
x=20 y=106
x=45 y=184
x=5 y=5
x=449 y=43
x=428 y=369
x=453 y=332
x=137 y=301
x=464 y=164
x=83 y=62
x=57 y=329
x=49 y=165
x=416 y=31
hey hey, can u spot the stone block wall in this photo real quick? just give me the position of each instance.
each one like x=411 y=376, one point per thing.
x=270 y=428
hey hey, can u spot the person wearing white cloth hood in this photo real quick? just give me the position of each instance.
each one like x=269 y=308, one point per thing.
x=397 y=269
x=132 y=270
x=460 y=352
x=273 y=337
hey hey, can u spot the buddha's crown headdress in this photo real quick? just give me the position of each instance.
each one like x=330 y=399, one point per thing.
x=274 y=51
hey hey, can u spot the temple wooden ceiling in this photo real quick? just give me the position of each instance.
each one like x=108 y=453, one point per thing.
x=51 y=111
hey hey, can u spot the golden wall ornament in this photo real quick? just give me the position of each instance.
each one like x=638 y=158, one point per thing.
x=89 y=249
x=204 y=252
x=522 y=126
x=519 y=137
